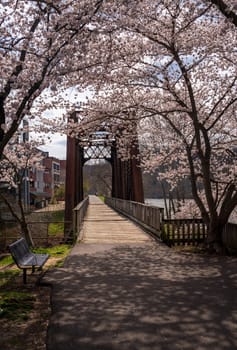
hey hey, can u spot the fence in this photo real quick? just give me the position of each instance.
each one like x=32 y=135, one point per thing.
x=44 y=228
x=78 y=215
x=183 y=231
x=173 y=231
x=147 y=216
x=194 y=231
x=40 y=231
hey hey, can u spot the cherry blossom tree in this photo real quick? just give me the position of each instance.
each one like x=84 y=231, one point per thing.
x=45 y=47
x=19 y=157
x=166 y=69
x=227 y=8
x=174 y=74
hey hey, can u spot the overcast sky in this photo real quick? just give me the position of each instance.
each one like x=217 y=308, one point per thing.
x=57 y=146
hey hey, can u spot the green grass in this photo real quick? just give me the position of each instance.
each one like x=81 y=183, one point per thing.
x=7 y=275
x=6 y=260
x=58 y=215
x=16 y=305
x=56 y=228
x=102 y=198
x=59 y=250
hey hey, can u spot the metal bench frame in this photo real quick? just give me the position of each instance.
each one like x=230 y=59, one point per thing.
x=24 y=258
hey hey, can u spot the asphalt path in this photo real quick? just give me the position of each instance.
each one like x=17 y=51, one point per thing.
x=141 y=295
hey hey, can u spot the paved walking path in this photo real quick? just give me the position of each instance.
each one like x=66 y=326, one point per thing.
x=120 y=290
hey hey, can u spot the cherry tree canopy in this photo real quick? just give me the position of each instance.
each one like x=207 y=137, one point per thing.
x=45 y=46
x=165 y=67
x=174 y=74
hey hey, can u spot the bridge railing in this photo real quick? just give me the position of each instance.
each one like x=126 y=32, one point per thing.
x=183 y=231
x=145 y=215
x=78 y=216
x=171 y=231
x=194 y=231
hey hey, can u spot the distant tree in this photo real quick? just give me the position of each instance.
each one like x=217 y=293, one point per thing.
x=59 y=193
x=97 y=178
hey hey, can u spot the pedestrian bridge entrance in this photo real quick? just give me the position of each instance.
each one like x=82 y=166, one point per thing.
x=103 y=225
x=104 y=144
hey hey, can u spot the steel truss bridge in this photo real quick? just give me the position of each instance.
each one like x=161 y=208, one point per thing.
x=102 y=144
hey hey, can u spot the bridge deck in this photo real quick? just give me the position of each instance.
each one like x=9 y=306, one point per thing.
x=104 y=225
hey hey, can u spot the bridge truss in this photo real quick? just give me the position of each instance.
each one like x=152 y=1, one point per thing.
x=101 y=144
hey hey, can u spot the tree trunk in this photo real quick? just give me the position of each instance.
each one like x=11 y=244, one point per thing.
x=26 y=233
x=214 y=236
x=165 y=200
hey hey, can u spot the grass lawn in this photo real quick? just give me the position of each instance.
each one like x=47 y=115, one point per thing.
x=16 y=305
x=15 y=302
x=6 y=260
x=25 y=308
x=57 y=253
x=57 y=227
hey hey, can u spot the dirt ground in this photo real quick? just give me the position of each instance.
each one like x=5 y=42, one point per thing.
x=29 y=333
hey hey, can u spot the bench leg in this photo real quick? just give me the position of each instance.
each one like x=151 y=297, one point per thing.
x=24 y=276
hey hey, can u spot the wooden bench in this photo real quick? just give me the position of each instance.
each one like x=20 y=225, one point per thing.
x=24 y=258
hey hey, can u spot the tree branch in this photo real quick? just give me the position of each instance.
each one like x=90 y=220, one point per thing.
x=225 y=10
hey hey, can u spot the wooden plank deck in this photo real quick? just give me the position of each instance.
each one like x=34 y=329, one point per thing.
x=103 y=225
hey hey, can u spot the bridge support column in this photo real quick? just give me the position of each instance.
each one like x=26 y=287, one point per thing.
x=137 y=192
x=127 y=176
x=74 y=180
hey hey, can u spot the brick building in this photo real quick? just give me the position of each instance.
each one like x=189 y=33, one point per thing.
x=45 y=180
x=51 y=175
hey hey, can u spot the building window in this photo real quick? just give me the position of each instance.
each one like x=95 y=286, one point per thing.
x=56 y=166
x=56 y=178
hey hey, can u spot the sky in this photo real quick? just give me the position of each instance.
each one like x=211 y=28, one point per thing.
x=57 y=145
x=56 y=148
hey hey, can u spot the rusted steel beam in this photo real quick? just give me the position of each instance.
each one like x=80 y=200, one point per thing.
x=70 y=182
x=137 y=192
x=74 y=178
x=127 y=176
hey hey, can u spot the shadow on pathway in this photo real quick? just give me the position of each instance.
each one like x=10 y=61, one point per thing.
x=140 y=297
